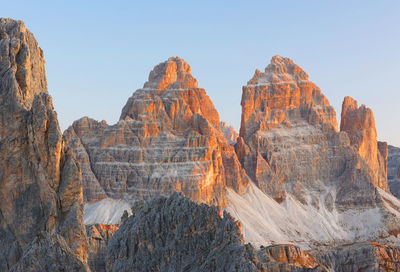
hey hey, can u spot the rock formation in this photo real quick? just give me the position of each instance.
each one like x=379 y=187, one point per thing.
x=40 y=182
x=99 y=235
x=359 y=123
x=326 y=181
x=229 y=132
x=393 y=170
x=176 y=234
x=168 y=139
x=366 y=256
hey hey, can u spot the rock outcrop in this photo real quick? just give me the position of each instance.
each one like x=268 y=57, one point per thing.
x=168 y=139
x=359 y=124
x=393 y=170
x=176 y=234
x=291 y=148
x=229 y=132
x=99 y=235
x=366 y=256
x=41 y=204
x=288 y=258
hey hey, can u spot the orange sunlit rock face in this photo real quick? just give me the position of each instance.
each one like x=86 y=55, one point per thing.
x=168 y=139
x=281 y=93
x=289 y=141
x=289 y=255
x=359 y=124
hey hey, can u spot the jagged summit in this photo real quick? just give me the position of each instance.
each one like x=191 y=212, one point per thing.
x=174 y=73
x=21 y=63
x=280 y=70
x=283 y=95
x=359 y=124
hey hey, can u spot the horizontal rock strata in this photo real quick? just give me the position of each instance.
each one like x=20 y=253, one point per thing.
x=168 y=139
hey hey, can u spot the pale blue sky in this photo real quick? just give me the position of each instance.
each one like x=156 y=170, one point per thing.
x=99 y=52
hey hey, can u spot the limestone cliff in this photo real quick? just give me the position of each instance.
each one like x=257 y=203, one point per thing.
x=313 y=184
x=168 y=139
x=40 y=181
x=359 y=123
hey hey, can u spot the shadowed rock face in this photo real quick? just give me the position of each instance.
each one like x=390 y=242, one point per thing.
x=393 y=170
x=40 y=181
x=98 y=236
x=168 y=139
x=359 y=124
x=366 y=256
x=176 y=234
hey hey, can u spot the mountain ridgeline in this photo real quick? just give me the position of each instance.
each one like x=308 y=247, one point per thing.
x=170 y=187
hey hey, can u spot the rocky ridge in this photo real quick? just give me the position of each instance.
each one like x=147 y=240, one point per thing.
x=41 y=204
x=176 y=234
x=168 y=139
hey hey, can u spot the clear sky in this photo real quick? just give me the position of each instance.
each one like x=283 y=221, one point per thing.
x=99 y=52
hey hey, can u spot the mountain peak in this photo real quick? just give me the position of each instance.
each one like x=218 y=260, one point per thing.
x=22 y=63
x=174 y=73
x=280 y=70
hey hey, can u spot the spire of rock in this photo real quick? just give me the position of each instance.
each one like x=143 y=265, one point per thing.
x=359 y=124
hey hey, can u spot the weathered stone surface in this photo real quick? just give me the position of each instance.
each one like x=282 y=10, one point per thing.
x=40 y=181
x=99 y=235
x=229 y=132
x=359 y=124
x=393 y=170
x=168 y=139
x=288 y=136
x=366 y=256
x=176 y=234
x=290 y=147
x=48 y=253
x=288 y=258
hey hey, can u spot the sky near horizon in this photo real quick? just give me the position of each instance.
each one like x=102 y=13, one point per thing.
x=99 y=52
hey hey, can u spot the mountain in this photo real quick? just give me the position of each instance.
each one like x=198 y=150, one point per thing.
x=292 y=176
x=168 y=139
x=313 y=185
x=41 y=204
